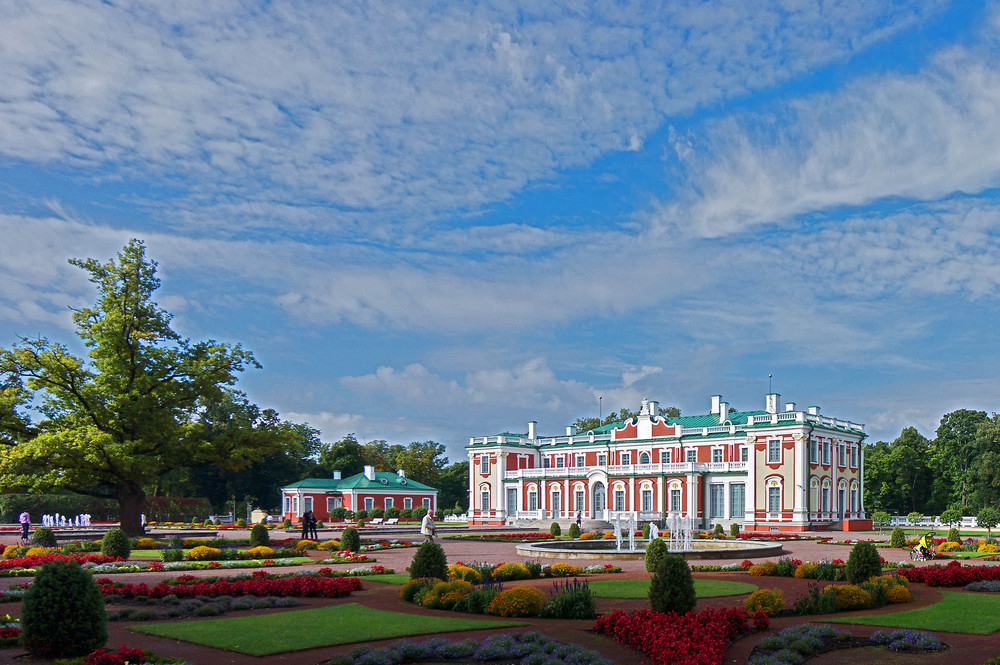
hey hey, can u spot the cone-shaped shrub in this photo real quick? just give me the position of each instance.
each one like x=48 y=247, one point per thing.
x=429 y=561
x=555 y=529
x=259 y=536
x=574 y=530
x=116 y=543
x=43 y=536
x=350 y=540
x=953 y=535
x=654 y=552
x=63 y=614
x=671 y=589
x=898 y=538
x=863 y=562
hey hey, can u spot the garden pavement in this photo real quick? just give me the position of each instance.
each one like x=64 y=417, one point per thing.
x=965 y=648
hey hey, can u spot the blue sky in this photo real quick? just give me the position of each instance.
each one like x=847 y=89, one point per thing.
x=442 y=220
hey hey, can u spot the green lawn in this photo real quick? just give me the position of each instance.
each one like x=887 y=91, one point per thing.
x=278 y=632
x=392 y=578
x=640 y=588
x=976 y=613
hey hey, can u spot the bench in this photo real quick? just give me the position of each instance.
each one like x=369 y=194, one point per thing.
x=392 y=520
x=377 y=520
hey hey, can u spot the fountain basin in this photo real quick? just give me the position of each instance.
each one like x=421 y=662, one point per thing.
x=605 y=549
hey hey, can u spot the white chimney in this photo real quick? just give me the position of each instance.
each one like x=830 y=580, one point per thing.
x=723 y=411
x=570 y=430
x=654 y=408
x=813 y=410
x=772 y=402
x=789 y=406
x=716 y=400
x=336 y=475
x=531 y=429
x=401 y=473
x=370 y=473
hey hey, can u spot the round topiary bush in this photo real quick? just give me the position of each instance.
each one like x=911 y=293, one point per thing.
x=43 y=536
x=241 y=522
x=115 y=543
x=429 y=561
x=671 y=589
x=555 y=529
x=898 y=538
x=718 y=530
x=62 y=615
x=655 y=551
x=863 y=562
x=259 y=536
x=954 y=536
x=350 y=539
x=574 y=530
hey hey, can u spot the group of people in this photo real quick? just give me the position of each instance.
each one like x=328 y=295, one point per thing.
x=309 y=523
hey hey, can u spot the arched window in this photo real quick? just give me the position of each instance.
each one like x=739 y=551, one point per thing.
x=484 y=497
x=643 y=458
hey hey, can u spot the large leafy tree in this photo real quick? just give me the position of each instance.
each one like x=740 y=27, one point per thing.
x=134 y=409
x=955 y=452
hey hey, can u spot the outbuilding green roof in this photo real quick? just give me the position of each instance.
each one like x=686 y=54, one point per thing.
x=384 y=480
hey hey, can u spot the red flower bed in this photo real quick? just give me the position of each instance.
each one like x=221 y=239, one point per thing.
x=187 y=586
x=954 y=574
x=39 y=559
x=124 y=656
x=9 y=632
x=695 y=638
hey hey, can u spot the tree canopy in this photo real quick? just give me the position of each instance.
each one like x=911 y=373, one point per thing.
x=143 y=403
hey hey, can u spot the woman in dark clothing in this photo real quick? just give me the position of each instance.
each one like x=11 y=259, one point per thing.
x=307 y=518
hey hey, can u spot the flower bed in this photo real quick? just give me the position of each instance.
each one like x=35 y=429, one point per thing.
x=347 y=556
x=40 y=559
x=695 y=638
x=953 y=574
x=260 y=584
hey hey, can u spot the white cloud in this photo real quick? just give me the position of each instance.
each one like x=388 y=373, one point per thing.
x=919 y=136
x=396 y=113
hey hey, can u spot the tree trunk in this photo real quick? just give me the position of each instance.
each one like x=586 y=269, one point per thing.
x=131 y=500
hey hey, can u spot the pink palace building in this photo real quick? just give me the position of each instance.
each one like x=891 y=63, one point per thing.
x=777 y=469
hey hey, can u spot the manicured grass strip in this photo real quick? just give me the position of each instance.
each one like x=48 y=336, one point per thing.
x=640 y=588
x=267 y=634
x=975 y=613
x=392 y=578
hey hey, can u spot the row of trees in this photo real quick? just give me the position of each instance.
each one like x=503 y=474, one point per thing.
x=146 y=412
x=957 y=470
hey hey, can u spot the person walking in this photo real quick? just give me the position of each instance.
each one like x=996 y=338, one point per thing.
x=306 y=519
x=25 y=520
x=427 y=526
x=579 y=519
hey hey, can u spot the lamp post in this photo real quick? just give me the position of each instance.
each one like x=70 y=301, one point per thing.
x=600 y=410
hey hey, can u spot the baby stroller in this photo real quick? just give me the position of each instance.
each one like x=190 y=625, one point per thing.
x=922 y=550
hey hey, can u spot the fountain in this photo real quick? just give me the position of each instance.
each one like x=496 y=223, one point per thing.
x=679 y=541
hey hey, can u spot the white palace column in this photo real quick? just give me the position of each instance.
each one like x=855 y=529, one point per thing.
x=750 y=496
x=472 y=485
x=501 y=500
x=800 y=513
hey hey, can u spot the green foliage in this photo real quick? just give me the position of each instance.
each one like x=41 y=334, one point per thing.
x=571 y=599
x=286 y=523
x=574 y=530
x=784 y=568
x=241 y=522
x=954 y=536
x=951 y=516
x=734 y=529
x=116 y=543
x=350 y=539
x=428 y=561
x=881 y=520
x=259 y=536
x=914 y=517
x=419 y=512
x=898 y=538
x=672 y=588
x=43 y=536
x=149 y=401
x=555 y=529
x=718 y=530
x=406 y=513
x=863 y=562
x=338 y=513
x=63 y=614
x=645 y=531
x=391 y=511
x=988 y=517
x=655 y=550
